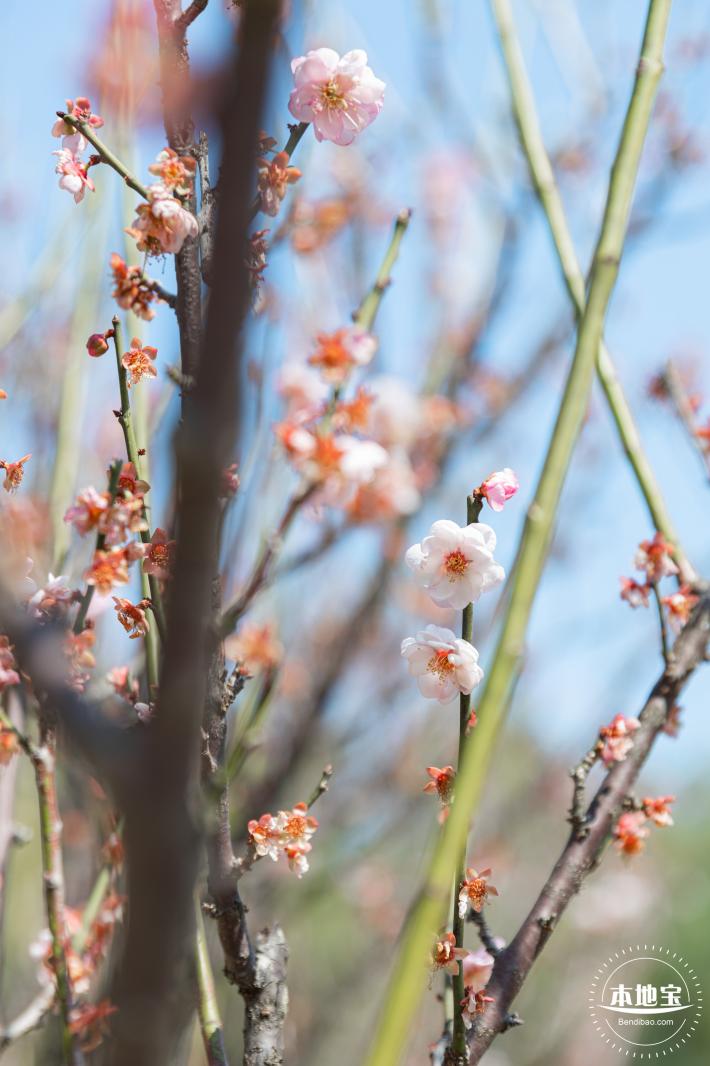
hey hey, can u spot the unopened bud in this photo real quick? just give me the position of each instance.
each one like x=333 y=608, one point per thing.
x=96 y=345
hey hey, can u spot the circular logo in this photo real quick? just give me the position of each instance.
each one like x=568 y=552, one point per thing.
x=645 y=1001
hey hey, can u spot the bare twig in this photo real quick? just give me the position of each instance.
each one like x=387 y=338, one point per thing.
x=577 y=814
x=684 y=410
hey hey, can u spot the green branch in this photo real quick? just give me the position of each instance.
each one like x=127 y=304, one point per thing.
x=106 y=154
x=207 y=1008
x=405 y=988
x=543 y=179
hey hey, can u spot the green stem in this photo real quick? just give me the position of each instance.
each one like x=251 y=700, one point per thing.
x=106 y=154
x=403 y=994
x=367 y=311
x=543 y=179
x=150 y=583
x=207 y=1009
x=86 y=599
x=458 y=1044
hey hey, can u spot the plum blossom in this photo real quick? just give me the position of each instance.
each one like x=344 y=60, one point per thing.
x=89 y=1022
x=108 y=568
x=472 y=1004
x=443 y=664
x=630 y=833
x=679 y=606
x=162 y=224
x=654 y=558
x=354 y=414
x=474 y=891
x=455 y=564
x=273 y=180
x=119 y=677
x=9 y=743
x=340 y=95
x=255 y=647
x=74 y=175
x=80 y=657
x=129 y=482
x=303 y=390
x=53 y=599
x=8 y=667
x=124 y=517
x=159 y=558
x=658 y=810
x=445 y=954
x=340 y=352
x=176 y=173
x=14 y=472
x=132 y=290
x=441 y=784
x=616 y=742
x=287 y=834
x=340 y=460
x=88 y=510
x=132 y=616
x=138 y=361
x=635 y=595
x=477 y=967
x=498 y=488
x=391 y=492
x=80 y=109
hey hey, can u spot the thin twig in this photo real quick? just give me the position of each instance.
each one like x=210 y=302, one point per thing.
x=578 y=814
x=684 y=409
x=665 y=648
x=484 y=933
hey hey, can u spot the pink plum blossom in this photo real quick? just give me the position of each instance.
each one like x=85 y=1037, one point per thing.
x=455 y=564
x=477 y=967
x=443 y=664
x=339 y=95
x=162 y=225
x=74 y=176
x=616 y=738
x=499 y=487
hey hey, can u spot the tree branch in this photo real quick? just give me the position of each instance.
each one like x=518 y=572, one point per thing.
x=581 y=854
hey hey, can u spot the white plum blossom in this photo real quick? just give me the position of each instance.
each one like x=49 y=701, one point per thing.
x=455 y=564
x=339 y=95
x=443 y=664
x=74 y=178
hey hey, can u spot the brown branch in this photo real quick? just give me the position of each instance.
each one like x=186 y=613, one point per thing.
x=175 y=78
x=162 y=839
x=580 y=856
x=190 y=14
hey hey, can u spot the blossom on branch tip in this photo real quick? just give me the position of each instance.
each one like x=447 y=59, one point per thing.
x=339 y=353
x=635 y=595
x=658 y=810
x=138 y=362
x=443 y=664
x=14 y=472
x=445 y=954
x=498 y=488
x=654 y=558
x=616 y=739
x=79 y=109
x=340 y=95
x=474 y=891
x=455 y=564
x=273 y=179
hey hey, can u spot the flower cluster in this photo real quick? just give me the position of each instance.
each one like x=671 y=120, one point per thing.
x=631 y=830
x=273 y=179
x=340 y=95
x=162 y=225
x=74 y=173
x=615 y=739
x=286 y=834
x=654 y=558
x=132 y=290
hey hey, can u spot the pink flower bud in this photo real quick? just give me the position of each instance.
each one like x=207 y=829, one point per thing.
x=499 y=487
x=96 y=345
